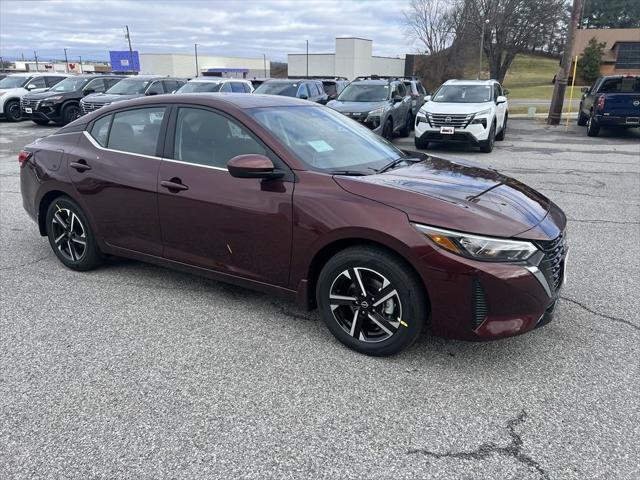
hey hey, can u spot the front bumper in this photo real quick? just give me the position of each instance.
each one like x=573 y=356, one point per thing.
x=42 y=112
x=474 y=300
x=473 y=133
x=612 y=121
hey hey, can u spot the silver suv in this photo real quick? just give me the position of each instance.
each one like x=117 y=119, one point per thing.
x=383 y=105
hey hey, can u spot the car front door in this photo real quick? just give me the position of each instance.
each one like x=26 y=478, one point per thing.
x=501 y=108
x=587 y=101
x=36 y=85
x=236 y=226
x=114 y=167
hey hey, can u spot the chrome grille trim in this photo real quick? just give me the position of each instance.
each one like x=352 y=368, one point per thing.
x=450 y=120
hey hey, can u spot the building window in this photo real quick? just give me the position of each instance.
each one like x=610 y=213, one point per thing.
x=628 y=56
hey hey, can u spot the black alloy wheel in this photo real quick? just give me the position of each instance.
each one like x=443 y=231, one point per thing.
x=387 y=130
x=12 y=111
x=70 y=113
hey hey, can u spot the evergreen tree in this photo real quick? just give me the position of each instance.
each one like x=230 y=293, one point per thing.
x=589 y=62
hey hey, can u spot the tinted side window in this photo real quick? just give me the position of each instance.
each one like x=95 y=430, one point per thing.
x=156 y=87
x=247 y=88
x=237 y=87
x=302 y=90
x=100 y=130
x=38 y=82
x=226 y=87
x=402 y=91
x=110 y=82
x=170 y=86
x=136 y=131
x=97 y=85
x=207 y=138
x=51 y=81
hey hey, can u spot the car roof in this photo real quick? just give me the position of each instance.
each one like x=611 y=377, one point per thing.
x=287 y=80
x=374 y=81
x=217 y=80
x=39 y=74
x=470 y=82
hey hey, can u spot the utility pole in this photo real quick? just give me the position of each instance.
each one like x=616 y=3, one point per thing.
x=484 y=24
x=195 y=47
x=66 y=61
x=307 y=58
x=35 y=55
x=81 y=70
x=264 y=57
x=555 y=110
x=130 y=49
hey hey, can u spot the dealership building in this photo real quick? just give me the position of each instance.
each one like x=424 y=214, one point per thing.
x=353 y=58
x=184 y=65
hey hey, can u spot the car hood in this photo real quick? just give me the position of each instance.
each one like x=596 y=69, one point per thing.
x=355 y=107
x=14 y=91
x=47 y=94
x=454 y=108
x=109 y=98
x=460 y=195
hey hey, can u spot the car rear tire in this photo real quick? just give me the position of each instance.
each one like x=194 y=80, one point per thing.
x=387 y=130
x=582 y=118
x=487 y=145
x=593 y=128
x=387 y=316
x=40 y=121
x=500 y=136
x=404 y=131
x=70 y=113
x=70 y=235
x=12 y=111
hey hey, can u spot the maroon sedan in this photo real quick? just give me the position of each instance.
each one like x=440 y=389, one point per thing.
x=296 y=200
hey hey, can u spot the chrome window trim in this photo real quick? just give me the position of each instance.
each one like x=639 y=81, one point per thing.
x=194 y=164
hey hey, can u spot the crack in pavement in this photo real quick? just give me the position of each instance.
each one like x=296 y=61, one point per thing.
x=25 y=264
x=486 y=450
x=597 y=220
x=602 y=315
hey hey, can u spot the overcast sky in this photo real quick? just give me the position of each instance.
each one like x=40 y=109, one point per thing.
x=221 y=27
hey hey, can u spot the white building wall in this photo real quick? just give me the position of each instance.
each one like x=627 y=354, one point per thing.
x=387 y=66
x=184 y=65
x=320 y=65
x=353 y=57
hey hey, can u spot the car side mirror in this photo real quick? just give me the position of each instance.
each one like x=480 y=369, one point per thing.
x=303 y=97
x=252 y=165
x=31 y=87
x=427 y=98
x=88 y=91
x=506 y=91
x=152 y=93
x=501 y=99
x=585 y=89
x=397 y=98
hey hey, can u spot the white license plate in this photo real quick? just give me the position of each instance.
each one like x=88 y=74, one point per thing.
x=447 y=130
x=633 y=120
x=28 y=110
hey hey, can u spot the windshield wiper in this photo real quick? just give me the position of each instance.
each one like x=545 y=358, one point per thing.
x=397 y=162
x=347 y=172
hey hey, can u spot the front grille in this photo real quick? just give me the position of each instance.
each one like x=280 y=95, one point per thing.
x=480 y=307
x=28 y=103
x=448 y=120
x=90 y=107
x=552 y=264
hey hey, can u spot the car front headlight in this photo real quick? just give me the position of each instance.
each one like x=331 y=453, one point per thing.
x=483 y=112
x=377 y=112
x=57 y=98
x=477 y=246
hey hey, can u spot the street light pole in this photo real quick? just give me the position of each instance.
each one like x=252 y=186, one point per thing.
x=307 y=58
x=81 y=70
x=35 y=55
x=195 y=48
x=555 y=109
x=66 y=61
x=486 y=22
x=130 y=50
x=264 y=57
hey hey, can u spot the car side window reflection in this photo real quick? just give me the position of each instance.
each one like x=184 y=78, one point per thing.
x=206 y=138
x=136 y=131
x=100 y=130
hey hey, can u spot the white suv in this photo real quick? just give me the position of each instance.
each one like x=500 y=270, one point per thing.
x=464 y=111
x=13 y=87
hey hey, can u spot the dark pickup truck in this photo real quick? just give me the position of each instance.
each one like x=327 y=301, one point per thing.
x=612 y=101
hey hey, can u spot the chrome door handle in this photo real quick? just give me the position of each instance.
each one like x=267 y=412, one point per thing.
x=174 y=184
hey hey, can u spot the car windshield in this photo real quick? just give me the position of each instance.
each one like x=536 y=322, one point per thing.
x=286 y=89
x=70 y=84
x=463 y=94
x=13 y=82
x=326 y=140
x=129 y=87
x=195 y=87
x=361 y=92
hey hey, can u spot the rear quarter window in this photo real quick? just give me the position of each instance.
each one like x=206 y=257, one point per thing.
x=100 y=130
x=136 y=131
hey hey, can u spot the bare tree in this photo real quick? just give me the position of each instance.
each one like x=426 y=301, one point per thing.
x=512 y=26
x=430 y=23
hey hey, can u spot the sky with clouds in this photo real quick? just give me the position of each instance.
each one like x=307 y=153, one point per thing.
x=220 y=27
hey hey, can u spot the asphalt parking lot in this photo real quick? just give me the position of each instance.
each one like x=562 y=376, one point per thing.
x=133 y=371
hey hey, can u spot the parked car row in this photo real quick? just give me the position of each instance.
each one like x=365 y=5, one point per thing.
x=14 y=87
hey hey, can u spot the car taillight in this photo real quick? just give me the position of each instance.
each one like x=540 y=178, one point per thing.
x=600 y=104
x=23 y=156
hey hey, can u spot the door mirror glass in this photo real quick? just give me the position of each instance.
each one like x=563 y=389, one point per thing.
x=584 y=89
x=31 y=86
x=252 y=166
x=303 y=96
x=501 y=99
x=397 y=98
x=88 y=91
x=427 y=98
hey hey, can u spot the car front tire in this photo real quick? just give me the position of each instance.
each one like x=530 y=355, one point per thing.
x=421 y=143
x=404 y=131
x=500 y=136
x=12 y=111
x=582 y=118
x=487 y=145
x=387 y=130
x=371 y=301
x=70 y=113
x=593 y=128
x=70 y=235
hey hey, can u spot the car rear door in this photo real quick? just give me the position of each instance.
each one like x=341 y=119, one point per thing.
x=114 y=168
x=237 y=226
